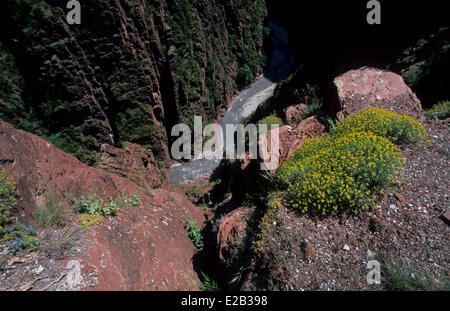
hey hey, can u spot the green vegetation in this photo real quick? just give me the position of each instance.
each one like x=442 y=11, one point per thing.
x=93 y=204
x=425 y=57
x=194 y=233
x=402 y=277
x=270 y=121
x=350 y=169
x=440 y=110
x=11 y=90
x=196 y=192
x=72 y=141
x=209 y=284
x=8 y=199
x=21 y=237
x=399 y=129
x=244 y=76
x=52 y=213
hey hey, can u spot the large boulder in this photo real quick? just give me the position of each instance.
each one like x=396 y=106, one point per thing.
x=142 y=248
x=357 y=89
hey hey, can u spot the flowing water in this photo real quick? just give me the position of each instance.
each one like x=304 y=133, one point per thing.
x=243 y=105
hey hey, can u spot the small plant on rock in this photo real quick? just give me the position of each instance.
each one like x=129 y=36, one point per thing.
x=440 y=110
x=93 y=204
x=21 y=237
x=52 y=212
x=194 y=233
x=8 y=199
x=88 y=220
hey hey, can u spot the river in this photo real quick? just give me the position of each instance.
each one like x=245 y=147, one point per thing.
x=244 y=104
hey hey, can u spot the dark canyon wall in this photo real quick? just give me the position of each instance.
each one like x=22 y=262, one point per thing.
x=131 y=70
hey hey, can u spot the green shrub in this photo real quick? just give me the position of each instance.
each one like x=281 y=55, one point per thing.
x=399 y=129
x=244 y=76
x=310 y=148
x=22 y=238
x=440 y=110
x=271 y=121
x=348 y=173
x=194 y=233
x=8 y=199
x=95 y=205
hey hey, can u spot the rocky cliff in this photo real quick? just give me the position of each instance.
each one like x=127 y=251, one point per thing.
x=128 y=72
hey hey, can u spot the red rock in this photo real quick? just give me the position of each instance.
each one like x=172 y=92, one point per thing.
x=132 y=162
x=357 y=89
x=290 y=139
x=294 y=114
x=230 y=234
x=142 y=248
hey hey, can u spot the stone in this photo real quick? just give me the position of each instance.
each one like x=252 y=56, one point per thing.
x=38 y=270
x=293 y=115
x=361 y=88
x=231 y=231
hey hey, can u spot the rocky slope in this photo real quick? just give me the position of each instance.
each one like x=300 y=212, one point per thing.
x=407 y=232
x=129 y=72
x=142 y=248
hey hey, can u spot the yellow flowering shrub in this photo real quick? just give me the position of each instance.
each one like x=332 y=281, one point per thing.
x=398 y=128
x=8 y=199
x=307 y=150
x=347 y=173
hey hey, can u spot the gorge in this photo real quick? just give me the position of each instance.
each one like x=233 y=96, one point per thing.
x=91 y=197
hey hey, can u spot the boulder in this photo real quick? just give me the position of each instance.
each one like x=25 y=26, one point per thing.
x=358 y=89
x=231 y=233
x=142 y=248
x=290 y=139
x=294 y=114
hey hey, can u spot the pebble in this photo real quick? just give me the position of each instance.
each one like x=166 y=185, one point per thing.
x=346 y=247
x=38 y=270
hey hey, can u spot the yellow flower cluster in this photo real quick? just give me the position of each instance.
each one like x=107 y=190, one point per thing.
x=345 y=173
x=398 y=128
x=8 y=199
x=88 y=220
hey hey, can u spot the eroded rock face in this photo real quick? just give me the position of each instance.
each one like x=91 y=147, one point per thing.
x=231 y=233
x=132 y=162
x=142 y=248
x=132 y=68
x=357 y=89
